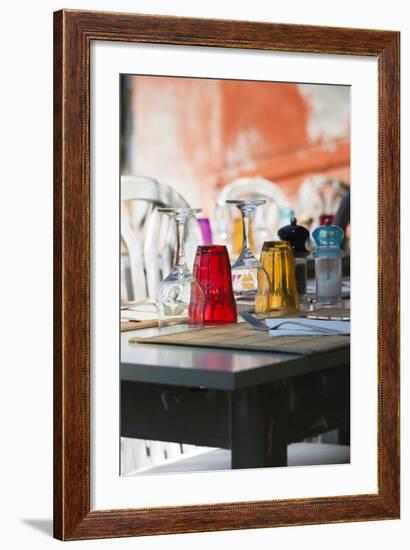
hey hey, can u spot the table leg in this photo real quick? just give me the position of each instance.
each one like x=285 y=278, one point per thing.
x=259 y=426
x=344 y=435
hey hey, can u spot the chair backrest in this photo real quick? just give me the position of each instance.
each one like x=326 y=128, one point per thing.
x=319 y=195
x=266 y=221
x=148 y=236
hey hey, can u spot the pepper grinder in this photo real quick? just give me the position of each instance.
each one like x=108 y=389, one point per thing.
x=328 y=264
x=296 y=236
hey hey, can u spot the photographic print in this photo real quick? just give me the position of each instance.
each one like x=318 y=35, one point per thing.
x=235 y=274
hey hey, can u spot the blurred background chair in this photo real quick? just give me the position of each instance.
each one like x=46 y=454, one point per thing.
x=147 y=237
x=147 y=247
x=267 y=217
x=319 y=196
x=299 y=454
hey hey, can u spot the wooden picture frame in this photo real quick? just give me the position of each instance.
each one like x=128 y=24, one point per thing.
x=74 y=32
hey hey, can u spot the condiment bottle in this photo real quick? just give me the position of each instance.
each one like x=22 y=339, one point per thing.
x=328 y=264
x=296 y=236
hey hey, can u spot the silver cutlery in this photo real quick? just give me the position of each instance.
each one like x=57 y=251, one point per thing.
x=258 y=324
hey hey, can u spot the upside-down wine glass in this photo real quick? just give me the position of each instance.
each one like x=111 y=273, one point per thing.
x=247 y=273
x=180 y=297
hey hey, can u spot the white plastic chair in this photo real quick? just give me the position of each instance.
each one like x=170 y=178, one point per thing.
x=149 y=236
x=266 y=222
x=319 y=195
x=299 y=454
x=149 y=239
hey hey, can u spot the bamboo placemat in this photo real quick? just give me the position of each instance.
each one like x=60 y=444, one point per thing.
x=135 y=325
x=241 y=336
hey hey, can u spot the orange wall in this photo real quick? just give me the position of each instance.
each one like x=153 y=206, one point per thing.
x=197 y=134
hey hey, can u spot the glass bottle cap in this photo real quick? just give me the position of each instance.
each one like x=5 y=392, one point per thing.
x=328 y=239
x=296 y=236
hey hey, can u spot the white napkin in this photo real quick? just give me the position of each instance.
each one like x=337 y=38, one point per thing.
x=140 y=312
x=307 y=327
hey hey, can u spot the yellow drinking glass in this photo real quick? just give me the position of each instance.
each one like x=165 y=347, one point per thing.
x=277 y=259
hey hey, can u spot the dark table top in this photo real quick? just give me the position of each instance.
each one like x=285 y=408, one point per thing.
x=215 y=368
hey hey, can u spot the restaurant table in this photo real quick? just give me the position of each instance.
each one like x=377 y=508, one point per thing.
x=254 y=403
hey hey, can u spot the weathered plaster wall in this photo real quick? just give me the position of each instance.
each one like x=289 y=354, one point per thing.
x=198 y=134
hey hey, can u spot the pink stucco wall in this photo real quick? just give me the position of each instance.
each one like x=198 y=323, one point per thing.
x=198 y=134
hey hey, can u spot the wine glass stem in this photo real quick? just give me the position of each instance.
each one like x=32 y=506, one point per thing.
x=246 y=251
x=180 y=260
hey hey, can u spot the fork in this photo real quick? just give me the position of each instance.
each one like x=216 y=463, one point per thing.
x=260 y=325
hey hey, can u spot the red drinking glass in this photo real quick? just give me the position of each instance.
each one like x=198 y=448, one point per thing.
x=212 y=270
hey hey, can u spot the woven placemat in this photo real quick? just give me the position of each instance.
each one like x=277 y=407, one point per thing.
x=135 y=325
x=241 y=336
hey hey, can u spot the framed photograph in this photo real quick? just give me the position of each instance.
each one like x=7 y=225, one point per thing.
x=226 y=275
